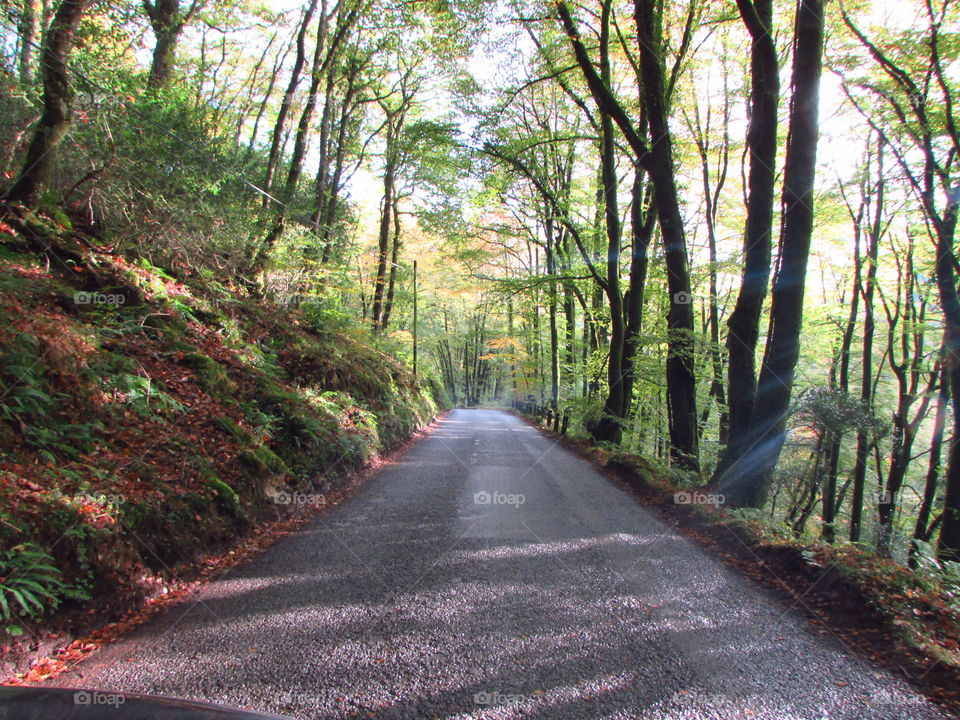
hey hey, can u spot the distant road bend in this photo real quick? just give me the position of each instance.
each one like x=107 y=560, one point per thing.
x=489 y=573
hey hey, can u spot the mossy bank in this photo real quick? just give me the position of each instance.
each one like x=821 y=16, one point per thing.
x=147 y=420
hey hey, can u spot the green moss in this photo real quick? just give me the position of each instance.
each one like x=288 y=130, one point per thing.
x=213 y=377
x=233 y=430
x=172 y=340
x=263 y=461
x=15 y=284
x=226 y=497
x=299 y=423
x=173 y=531
x=49 y=205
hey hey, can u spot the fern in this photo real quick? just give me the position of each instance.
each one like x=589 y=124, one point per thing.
x=29 y=584
x=141 y=395
x=944 y=574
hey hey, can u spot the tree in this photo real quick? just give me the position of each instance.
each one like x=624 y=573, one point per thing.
x=167 y=19
x=747 y=483
x=910 y=104
x=280 y=125
x=657 y=161
x=324 y=56
x=744 y=323
x=57 y=97
x=28 y=38
x=395 y=107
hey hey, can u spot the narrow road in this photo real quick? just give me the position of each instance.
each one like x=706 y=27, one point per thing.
x=489 y=573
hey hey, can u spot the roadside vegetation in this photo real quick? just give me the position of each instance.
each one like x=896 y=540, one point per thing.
x=149 y=422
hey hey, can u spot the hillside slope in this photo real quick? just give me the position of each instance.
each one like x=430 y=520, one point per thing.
x=147 y=420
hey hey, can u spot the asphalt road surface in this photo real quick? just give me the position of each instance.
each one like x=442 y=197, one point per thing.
x=489 y=573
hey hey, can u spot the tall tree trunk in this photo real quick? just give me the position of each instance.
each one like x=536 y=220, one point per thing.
x=28 y=37
x=864 y=440
x=569 y=320
x=835 y=438
x=658 y=163
x=748 y=486
x=322 y=183
x=57 y=96
x=280 y=125
x=948 y=546
x=711 y=197
x=383 y=245
x=610 y=427
x=167 y=20
x=923 y=528
x=164 y=54
x=908 y=375
x=552 y=308
x=304 y=130
x=261 y=110
x=513 y=353
x=643 y=221
x=681 y=378
x=328 y=190
x=394 y=257
x=395 y=118
x=743 y=327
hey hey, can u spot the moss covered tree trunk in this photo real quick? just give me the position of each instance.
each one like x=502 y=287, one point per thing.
x=57 y=97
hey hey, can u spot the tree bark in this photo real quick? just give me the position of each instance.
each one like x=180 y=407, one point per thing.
x=28 y=37
x=743 y=327
x=657 y=161
x=394 y=257
x=681 y=378
x=57 y=97
x=923 y=527
x=610 y=427
x=642 y=221
x=279 y=126
x=866 y=388
x=948 y=546
x=167 y=21
x=835 y=439
x=383 y=245
x=748 y=484
x=552 y=298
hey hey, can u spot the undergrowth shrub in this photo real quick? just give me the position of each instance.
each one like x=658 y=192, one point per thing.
x=30 y=585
